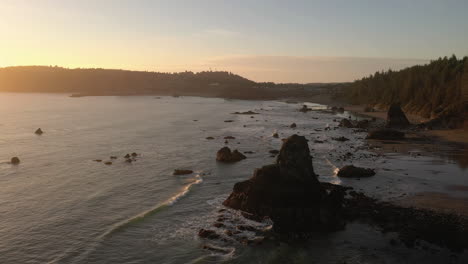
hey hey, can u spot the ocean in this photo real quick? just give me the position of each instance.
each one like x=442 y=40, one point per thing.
x=59 y=205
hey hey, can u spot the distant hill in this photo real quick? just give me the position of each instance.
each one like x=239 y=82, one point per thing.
x=439 y=88
x=107 y=82
x=85 y=82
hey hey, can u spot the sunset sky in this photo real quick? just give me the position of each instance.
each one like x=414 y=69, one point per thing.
x=281 y=41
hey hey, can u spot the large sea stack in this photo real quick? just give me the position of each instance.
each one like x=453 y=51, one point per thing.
x=396 y=118
x=289 y=193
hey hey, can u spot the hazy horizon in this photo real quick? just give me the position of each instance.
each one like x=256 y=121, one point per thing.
x=299 y=41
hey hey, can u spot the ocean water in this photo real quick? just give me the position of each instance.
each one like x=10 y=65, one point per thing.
x=60 y=206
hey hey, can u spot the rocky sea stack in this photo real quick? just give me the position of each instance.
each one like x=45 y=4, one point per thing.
x=289 y=193
x=226 y=155
x=39 y=131
x=396 y=118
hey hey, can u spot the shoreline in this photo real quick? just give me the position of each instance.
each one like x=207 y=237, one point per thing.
x=459 y=136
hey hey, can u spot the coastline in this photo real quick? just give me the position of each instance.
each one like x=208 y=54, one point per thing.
x=459 y=136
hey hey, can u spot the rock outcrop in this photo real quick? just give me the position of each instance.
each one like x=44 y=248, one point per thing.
x=182 y=172
x=15 y=160
x=39 y=131
x=289 y=193
x=386 y=134
x=226 y=155
x=351 y=171
x=396 y=118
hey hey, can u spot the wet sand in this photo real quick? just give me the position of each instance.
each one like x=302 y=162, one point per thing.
x=439 y=202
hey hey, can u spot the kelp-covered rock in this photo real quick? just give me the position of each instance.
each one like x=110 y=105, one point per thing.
x=289 y=193
x=396 y=118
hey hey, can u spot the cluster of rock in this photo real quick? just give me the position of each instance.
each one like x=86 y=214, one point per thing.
x=129 y=158
x=226 y=155
x=363 y=124
x=289 y=193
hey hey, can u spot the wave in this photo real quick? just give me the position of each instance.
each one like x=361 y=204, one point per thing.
x=121 y=225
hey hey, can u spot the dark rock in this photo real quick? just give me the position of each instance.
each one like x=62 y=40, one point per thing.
x=368 y=109
x=113 y=157
x=219 y=225
x=289 y=193
x=351 y=171
x=134 y=154
x=386 y=134
x=15 y=160
x=274 y=151
x=128 y=160
x=363 y=124
x=182 y=172
x=305 y=109
x=342 y=139
x=98 y=160
x=275 y=135
x=396 y=118
x=229 y=137
x=245 y=113
x=108 y=162
x=127 y=156
x=346 y=123
x=207 y=233
x=39 y=131
x=210 y=138
x=293 y=125
x=249 y=152
x=228 y=121
x=225 y=155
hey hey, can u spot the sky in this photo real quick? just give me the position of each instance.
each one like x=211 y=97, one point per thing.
x=281 y=41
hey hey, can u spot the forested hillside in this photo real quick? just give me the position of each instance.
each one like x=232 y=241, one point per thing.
x=432 y=90
x=111 y=82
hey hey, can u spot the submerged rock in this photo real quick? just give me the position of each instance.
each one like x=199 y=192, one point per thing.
x=386 y=134
x=396 y=118
x=15 y=160
x=289 y=193
x=210 y=138
x=182 y=172
x=39 y=131
x=108 y=162
x=226 y=155
x=351 y=171
x=293 y=125
x=275 y=135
